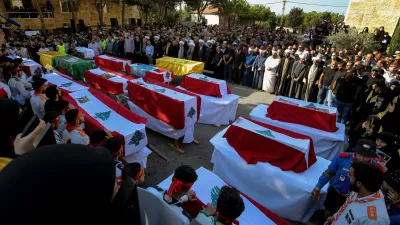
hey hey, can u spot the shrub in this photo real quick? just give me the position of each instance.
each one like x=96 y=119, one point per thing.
x=395 y=42
x=348 y=38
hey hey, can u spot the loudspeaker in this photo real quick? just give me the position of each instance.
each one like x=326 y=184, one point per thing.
x=73 y=26
x=114 y=22
x=81 y=25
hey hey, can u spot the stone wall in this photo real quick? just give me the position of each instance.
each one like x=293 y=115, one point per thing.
x=373 y=14
x=87 y=12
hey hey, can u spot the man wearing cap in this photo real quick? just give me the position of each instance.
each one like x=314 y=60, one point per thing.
x=337 y=175
x=271 y=65
x=312 y=78
x=17 y=88
x=376 y=75
x=54 y=119
x=178 y=192
x=73 y=129
x=366 y=203
x=200 y=52
x=190 y=51
x=181 y=52
x=38 y=99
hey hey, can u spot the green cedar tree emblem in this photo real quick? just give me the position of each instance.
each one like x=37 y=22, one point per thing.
x=66 y=85
x=192 y=112
x=83 y=99
x=204 y=78
x=267 y=133
x=38 y=71
x=311 y=106
x=167 y=75
x=215 y=192
x=136 y=138
x=103 y=115
x=161 y=90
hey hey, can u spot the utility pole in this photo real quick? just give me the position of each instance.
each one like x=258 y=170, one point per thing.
x=283 y=12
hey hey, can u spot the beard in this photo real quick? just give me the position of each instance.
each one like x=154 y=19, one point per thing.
x=354 y=188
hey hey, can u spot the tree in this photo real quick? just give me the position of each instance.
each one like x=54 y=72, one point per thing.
x=73 y=6
x=295 y=18
x=311 y=19
x=100 y=4
x=348 y=38
x=3 y=9
x=395 y=42
x=199 y=6
x=41 y=18
x=122 y=13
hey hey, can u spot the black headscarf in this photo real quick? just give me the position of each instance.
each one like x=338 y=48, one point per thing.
x=9 y=114
x=58 y=184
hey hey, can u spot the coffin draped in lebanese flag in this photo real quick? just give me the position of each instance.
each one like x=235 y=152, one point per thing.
x=107 y=80
x=201 y=84
x=66 y=84
x=305 y=113
x=101 y=112
x=111 y=62
x=259 y=142
x=152 y=72
x=169 y=110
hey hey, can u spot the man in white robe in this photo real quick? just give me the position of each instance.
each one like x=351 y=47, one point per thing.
x=271 y=64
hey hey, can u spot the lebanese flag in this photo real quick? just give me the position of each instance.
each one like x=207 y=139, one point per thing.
x=114 y=85
x=258 y=142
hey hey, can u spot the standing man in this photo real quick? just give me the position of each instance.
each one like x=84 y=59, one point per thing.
x=129 y=46
x=115 y=47
x=238 y=65
x=337 y=175
x=258 y=68
x=312 y=80
x=228 y=64
x=181 y=52
x=95 y=47
x=298 y=73
x=345 y=89
x=121 y=47
x=366 y=203
x=109 y=46
x=284 y=73
x=149 y=52
x=325 y=81
x=157 y=49
x=341 y=71
x=173 y=50
x=271 y=64
x=200 y=52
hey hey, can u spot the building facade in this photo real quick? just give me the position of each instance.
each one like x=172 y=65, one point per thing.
x=373 y=14
x=62 y=14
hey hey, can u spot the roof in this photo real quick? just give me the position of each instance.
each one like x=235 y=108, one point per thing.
x=208 y=10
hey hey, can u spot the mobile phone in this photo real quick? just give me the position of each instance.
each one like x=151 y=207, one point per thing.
x=30 y=126
x=46 y=137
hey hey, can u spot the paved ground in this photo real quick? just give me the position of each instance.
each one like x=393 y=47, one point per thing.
x=198 y=155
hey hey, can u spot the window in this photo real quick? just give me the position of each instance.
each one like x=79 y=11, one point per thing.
x=17 y=3
x=65 y=6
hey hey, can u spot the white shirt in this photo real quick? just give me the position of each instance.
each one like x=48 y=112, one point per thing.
x=371 y=212
x=77 y=136
x=37 y=103
x=95 y=47
x=177 y=211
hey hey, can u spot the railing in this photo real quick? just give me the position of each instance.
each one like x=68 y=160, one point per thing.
x=29 y=15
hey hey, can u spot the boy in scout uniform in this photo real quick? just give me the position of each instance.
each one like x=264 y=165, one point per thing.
x=337 y=175
x=365 y=204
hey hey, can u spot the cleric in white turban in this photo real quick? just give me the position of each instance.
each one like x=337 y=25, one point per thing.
x=271 y=64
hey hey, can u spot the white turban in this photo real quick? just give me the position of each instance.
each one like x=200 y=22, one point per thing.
x=288 y=51
x=191 y=44
x=274 y=52
x=158 y=37
x=201 y=41
x=316 y=58
x=301 y=56
x=181 y=42
x=147 y=37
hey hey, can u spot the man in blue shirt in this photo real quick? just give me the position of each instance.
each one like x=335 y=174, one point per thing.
x=337 y=175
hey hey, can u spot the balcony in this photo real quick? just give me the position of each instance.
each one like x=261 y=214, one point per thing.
x=32 y=15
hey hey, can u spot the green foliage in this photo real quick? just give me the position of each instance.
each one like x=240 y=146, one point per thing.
x=295 y=18
x=312 y=18
x=348 y=39
x=395 y=42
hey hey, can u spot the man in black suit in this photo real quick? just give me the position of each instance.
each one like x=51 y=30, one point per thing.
x=158 y=52
x=200 y=52
x=173 y=50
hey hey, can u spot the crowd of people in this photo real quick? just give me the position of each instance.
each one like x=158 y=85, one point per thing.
x=363 y=86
